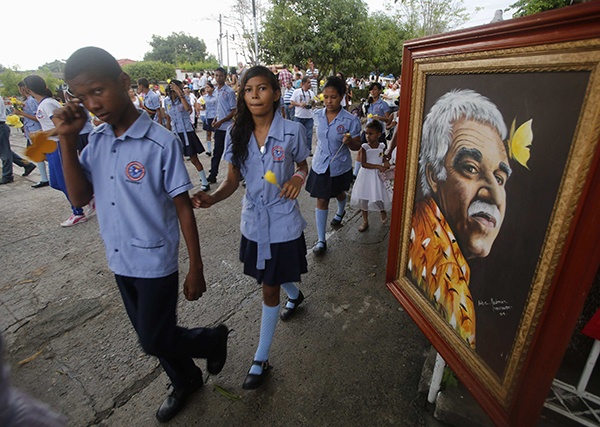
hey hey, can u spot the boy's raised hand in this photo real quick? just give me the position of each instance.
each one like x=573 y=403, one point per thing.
x=72 y=118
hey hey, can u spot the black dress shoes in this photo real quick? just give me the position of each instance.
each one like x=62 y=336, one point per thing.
x=176 y=400
x=29 y=167
x=254 y=381
x=286 y=313
x=41 y=184
x=215 y=363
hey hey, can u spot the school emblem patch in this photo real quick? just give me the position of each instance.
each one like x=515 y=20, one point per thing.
x=341 y=129
x=135 y=171
x=278 y=153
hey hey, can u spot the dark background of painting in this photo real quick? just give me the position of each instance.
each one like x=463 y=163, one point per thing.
x=500 y=283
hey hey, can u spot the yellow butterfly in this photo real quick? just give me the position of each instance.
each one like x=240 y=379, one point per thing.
x=519 y=142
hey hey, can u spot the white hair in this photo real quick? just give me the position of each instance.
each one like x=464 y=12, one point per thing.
x=437 y=128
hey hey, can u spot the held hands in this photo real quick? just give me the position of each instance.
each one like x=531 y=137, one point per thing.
x=202 y=200
x=194 y=285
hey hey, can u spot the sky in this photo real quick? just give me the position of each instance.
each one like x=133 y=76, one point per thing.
x=125 y=27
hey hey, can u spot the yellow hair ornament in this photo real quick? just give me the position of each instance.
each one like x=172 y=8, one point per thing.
x=519 y=142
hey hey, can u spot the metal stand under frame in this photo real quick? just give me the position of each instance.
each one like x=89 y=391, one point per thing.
x=574 y=402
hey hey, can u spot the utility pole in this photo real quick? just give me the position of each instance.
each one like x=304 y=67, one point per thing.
x=220 y=41
x=227 y=37
x=255 y=33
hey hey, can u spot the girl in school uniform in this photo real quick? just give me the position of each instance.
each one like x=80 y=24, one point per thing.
x=210 y=106
x=45 y=112
x=272 y=248
x=178 y=109
x=338 y=132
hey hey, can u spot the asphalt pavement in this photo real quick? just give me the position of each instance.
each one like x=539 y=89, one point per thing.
x=350 y=357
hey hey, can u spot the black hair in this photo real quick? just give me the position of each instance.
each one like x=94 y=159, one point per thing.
x=375 y=84
x=210 y=84
x=221 y=69
x=92 y=60
x=338 y=84
x=375 y=125
x=37 y=85
x=232 y=70
x=243 y=124
x=143 y=82
x=21 y=84
x=305 y=79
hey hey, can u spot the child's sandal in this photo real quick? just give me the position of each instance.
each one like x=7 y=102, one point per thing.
x=363 y=227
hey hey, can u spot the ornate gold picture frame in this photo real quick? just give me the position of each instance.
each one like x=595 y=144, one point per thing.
x=498 y=311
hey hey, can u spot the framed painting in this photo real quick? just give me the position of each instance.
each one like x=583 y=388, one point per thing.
x=494 y=238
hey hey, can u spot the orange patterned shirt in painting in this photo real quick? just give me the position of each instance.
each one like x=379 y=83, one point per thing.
x=437 y=266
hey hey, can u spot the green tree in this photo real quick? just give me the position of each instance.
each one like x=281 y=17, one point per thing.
x=152 y=70
x=328 y=31
x=55 y=66
x=9 y=79
x=529 y=7
x=428 y=17
x=176 y=48
x=383 y=48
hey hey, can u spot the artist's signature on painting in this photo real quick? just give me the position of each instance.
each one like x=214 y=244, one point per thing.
x=499 y=306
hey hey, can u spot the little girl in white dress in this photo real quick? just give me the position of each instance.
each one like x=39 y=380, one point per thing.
x=369 y=192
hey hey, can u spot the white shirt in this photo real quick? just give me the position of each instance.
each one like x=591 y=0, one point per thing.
x=300 y=95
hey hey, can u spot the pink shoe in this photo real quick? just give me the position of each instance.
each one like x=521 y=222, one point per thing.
x=74 y=220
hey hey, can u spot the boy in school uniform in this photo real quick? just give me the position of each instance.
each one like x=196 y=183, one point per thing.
x=132 y=162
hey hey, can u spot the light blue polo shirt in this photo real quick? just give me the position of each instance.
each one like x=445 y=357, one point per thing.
x=30 y=107
x=226 y=102
x=210 y=105
x=329 y=140
x=135 y=177
x=378 y=108
x=267 y=218
x=180 y=118
x=152 y=102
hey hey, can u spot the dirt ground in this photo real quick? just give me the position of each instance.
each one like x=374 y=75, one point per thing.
x=351 y=357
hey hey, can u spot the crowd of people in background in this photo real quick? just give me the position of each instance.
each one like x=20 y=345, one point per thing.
x=241 y=115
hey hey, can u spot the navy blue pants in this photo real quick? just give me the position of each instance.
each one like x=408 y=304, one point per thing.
x=218 y=150
x=152 y=308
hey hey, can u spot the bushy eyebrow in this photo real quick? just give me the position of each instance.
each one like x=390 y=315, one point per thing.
x=463 y=153
x=506 y=169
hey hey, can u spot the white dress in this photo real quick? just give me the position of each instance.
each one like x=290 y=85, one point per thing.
x=369 y=192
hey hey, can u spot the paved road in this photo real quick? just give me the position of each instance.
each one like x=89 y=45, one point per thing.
x=351 y=357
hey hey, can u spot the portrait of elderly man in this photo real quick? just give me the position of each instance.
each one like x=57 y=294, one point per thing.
x=463 y=170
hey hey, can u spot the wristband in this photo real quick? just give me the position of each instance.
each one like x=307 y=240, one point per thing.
x=300 y=174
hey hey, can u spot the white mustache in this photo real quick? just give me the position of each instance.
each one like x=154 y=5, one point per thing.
x=479 y=206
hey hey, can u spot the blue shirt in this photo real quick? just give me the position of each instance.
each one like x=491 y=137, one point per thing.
x=135 y=178
x=329 y=141
x=378 y=108
x=152 y=102
x=210 y=105
x=266 y=217
x=30 y=107
x=225 y=103
x=180 y=118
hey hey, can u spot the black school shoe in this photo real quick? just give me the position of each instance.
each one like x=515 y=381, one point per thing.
x=41 y=184
x=254 y=381
x=176 y=400
x=287 y=313
x=215 y=363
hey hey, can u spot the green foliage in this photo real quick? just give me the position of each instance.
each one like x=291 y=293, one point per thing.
x=55 y=66
x=176 y=48
x=152 y=70
x=428 y=17
x=10 y=78
x=210 y=64
x=383 y=50
x=449 y=379
x=328 y=31
x=529 y=7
